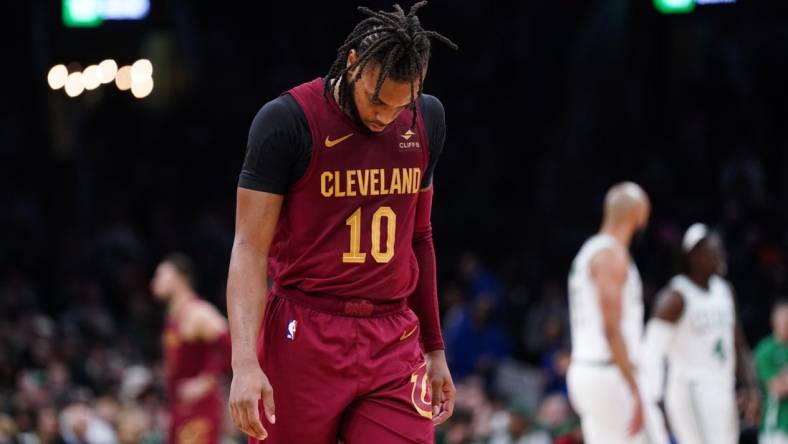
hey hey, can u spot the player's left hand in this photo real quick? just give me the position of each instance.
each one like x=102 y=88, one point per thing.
x=195 y=388
x=750 y=402
x=443 y=391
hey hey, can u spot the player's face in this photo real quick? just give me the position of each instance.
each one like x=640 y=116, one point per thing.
x=164 y=280
x=645 y=214
x=394 y=97
x=780 y=322
x=708 y=256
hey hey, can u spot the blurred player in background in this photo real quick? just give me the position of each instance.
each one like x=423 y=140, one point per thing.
x=334 y=202
x=606 y=319
x=196 y=354
x=771 y=361
x=696 y=326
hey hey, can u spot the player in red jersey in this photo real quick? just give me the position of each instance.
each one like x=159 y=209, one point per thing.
x=196 y=353
x=333 y=204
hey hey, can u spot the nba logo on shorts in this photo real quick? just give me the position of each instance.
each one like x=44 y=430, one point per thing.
x=291 y=329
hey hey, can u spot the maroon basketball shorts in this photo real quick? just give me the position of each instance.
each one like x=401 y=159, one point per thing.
x=347 y=371
x=196 y=423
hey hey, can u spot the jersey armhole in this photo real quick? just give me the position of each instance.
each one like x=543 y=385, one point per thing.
x=684 y=304
x=313 y=153
x=424 y=137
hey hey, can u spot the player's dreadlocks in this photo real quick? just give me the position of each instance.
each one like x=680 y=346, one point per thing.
x=396 y=41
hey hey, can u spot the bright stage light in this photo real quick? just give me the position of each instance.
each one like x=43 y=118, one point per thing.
x=140 y=70
x=57 y=76
x=74 y=86
x=123 y=78
x=91 y=77
x=108 y=69
x=142 y=88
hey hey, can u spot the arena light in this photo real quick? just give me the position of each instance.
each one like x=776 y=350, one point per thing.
x=123 y=78
x=674 y=6
x=91 y=77
x=82 y=13
x=137 y=77
x=74 y=86
x=92 y=13
x=57 y=76
x=140 y=70
x=142 y=88
x=125 y=9
x=108 y=69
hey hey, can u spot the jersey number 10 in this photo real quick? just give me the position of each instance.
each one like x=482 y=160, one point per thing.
x=355 y=256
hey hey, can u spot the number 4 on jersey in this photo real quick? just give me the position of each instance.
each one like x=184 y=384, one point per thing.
x=719 y=350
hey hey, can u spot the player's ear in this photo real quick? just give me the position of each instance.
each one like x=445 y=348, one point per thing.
x=352 y=57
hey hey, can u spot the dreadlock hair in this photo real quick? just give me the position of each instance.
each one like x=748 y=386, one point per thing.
x=396 y=41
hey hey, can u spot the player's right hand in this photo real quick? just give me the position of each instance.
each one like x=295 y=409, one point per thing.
x=249 y=386
x=636 y=423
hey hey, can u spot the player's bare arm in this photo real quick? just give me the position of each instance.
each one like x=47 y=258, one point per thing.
x=256 y=216
x=669 y=306
x=425 y=305
x=609 y=270
x=660 y=330
x=745 y=372
x=201 y=323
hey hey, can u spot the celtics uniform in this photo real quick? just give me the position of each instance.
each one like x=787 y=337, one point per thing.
x=597 y=389
x=771 y=359
x=700 y=394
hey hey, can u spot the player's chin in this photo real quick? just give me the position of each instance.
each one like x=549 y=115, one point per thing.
x=375 y=127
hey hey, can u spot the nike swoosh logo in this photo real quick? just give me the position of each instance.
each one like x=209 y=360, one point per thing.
x=329 y=143
x=406 y=335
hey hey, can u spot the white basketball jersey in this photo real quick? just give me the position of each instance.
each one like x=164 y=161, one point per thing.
x=703 y=343
x=588 y=336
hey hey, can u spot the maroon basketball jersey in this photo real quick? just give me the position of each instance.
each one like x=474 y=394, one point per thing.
x=346 y=226
x=183 y=360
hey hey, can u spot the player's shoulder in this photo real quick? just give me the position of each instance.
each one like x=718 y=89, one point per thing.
x=722 y=283
x=611 y=254
x=282 y=113
x=669 y=304
x=431 y=106
x=204 y=309
x=201 y=319
x=611 y=261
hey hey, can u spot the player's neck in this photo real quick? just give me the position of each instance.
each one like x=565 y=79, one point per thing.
x=621 y=233
x=179 y=300
x=701 y=281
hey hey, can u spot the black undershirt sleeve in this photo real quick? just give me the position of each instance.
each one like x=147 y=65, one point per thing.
x=278 y=148
x=434 y=119
x=280 y=144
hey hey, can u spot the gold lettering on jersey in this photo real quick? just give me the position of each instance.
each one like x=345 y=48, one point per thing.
x=351 y=182
x=338 y=193
x=363 y=182
x=407 y=177
x=396 y=188
x=383 y=190
x=370 y=182
x=373 y=183
x=326 y=189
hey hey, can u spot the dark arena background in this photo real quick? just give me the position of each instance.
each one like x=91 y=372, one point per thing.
x=548 y=103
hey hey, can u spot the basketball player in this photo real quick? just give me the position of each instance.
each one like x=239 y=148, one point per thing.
x=695 y=325
x=606 y=320
x=334 y=203
x=196 y=354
